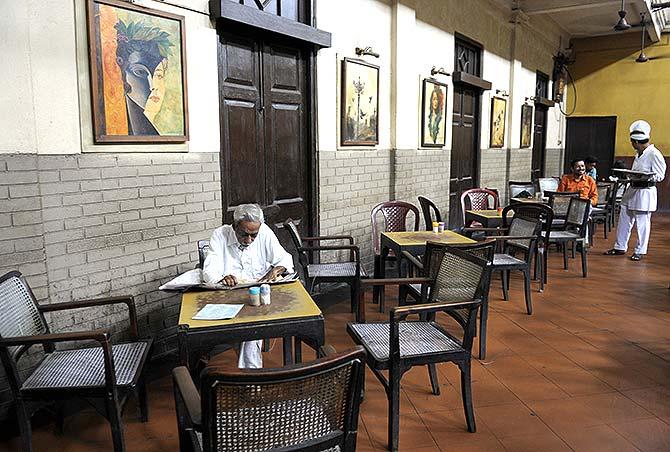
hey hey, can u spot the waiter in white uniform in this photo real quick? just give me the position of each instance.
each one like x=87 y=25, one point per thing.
x=246 y=251
x=639 y=201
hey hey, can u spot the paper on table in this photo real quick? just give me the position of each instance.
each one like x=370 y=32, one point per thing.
x=218 y=312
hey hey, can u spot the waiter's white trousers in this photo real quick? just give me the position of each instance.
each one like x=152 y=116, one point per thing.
x=249 y=355
x=628 y=217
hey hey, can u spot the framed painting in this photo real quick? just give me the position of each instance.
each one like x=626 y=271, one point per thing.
x=433 y=113
x=526 y=125
x=359 y=104
x=137 y=61
x=498 y=110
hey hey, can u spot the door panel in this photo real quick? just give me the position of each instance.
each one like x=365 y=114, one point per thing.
x=539 y=142
x=464 y=144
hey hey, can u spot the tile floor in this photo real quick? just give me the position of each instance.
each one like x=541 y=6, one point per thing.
x=588 y=371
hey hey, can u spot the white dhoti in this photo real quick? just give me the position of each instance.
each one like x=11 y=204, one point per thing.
x=627 y=218
x=249 y=355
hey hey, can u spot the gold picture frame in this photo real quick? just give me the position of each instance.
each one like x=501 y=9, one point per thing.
x=359 y=107
x=526 y=125
x=498 y=115
x=433 y=113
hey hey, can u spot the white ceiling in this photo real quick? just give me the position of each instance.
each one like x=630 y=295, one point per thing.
x=584 y=18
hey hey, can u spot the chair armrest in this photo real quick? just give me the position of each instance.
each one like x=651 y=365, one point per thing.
x=484 y=229
x=353 y=250
x=400 y=312
x=412 y=259
x=512 y=237
x=328 y=237
x=127 y=300
x=184 y=386
x=96 y=335
x=394 y=281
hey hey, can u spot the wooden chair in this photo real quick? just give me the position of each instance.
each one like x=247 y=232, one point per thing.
x=394 y=347
x=428 y=267
x=559 y=202
x=545 y=184
x=105 y=374
x=601 y=213
x=349 y=272
x=478 y=199
x=430 y=212
x=203 y=249
x=521 y=189
x=521 y=238
x=394 y=214
x=574 y=231
x=304 y=407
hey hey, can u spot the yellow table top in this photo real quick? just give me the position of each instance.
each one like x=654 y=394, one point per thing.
x=417 y=238
x=288 y=301
x=487 y=213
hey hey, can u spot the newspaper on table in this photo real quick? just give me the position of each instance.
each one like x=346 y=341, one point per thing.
x=192 y=279
x=218 y=312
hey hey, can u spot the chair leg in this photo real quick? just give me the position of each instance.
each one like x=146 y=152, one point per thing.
x=505 y=284
x=354 y=299
x=434 y=382
x=565 y=256
x=466 y=393
x=24 y=426
x=377 y=275
x=394 y=410
x=142 y=399
x=482 y=329
x=114 y=417
x=583 y=252
x=526 y=288
x=60 y=417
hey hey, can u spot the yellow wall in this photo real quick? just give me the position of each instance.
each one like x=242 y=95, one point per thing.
x=610 y=83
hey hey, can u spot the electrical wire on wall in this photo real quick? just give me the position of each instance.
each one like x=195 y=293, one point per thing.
x=570 y=82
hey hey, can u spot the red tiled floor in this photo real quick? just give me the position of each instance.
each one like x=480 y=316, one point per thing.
x=588 y=371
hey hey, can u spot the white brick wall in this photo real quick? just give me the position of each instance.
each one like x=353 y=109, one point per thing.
x=91 y=225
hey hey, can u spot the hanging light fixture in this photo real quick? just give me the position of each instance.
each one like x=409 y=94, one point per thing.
x=642 y=58
x=622 y=25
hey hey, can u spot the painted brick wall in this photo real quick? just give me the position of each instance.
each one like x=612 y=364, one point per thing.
x=95 y=225
x=554 y=163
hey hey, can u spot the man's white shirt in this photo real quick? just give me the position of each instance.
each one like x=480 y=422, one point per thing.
x=227 y=257
x=645 y=199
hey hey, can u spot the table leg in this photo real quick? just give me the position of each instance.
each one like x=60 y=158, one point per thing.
x=286 y=344
x=297 y=349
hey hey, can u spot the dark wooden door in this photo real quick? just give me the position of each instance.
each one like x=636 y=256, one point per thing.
x=587 y=136
x=264 y=127
x=539 y=142
x=464 y=144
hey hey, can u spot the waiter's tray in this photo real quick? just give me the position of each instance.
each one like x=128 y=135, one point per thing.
x=633 y=173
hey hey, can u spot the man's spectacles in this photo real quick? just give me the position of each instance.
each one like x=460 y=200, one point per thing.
x=245 y=234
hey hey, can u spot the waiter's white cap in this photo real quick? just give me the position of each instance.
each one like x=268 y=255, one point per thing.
x=640 y=130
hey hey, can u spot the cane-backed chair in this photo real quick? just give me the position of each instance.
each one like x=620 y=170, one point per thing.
x=394 y=215
x=521 y=238
x=574 y=231
x=348 y=271
x=559 y=201
x=304 y=407
x=521 y=189
x=203 y=249
x=430 y=212
x=600 y=213
x=396 y=346
x=428 y=266
x=478 y=199
x=545 y=184
x=105 y=374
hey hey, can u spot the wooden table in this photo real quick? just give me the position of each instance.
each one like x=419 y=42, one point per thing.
x=415 y=243
x=540 y=201
x=292 y=314
x=487 y=218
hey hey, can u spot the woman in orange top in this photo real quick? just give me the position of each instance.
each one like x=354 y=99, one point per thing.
x=580 y=182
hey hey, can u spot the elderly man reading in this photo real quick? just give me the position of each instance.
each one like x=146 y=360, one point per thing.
x=246 y=251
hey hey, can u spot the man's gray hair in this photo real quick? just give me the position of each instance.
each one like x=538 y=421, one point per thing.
x=248 y=212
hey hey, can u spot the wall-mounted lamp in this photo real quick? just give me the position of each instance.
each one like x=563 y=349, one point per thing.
x=360 y=51
x=439 y=70
x=502 y=92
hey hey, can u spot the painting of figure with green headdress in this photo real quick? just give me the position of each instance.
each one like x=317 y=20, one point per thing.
x=137 y=73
